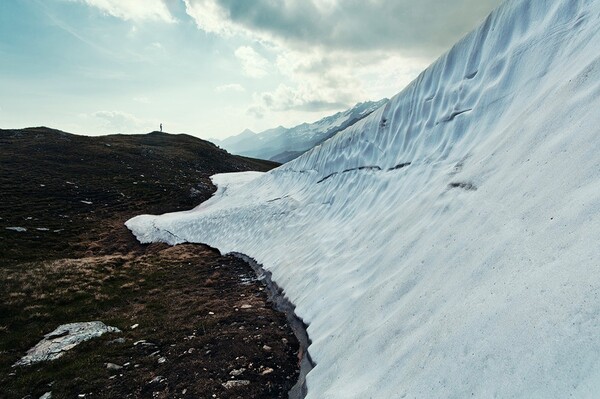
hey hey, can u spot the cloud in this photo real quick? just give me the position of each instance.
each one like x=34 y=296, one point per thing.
x=319 y=81
x=116 y=121
x=256 y=111
x=314 y=82
x=230 y=87
x=412 y=27
x=304 y=97
x=254 y=65
x=133 y=10
x=210 y=16
x=334 y=53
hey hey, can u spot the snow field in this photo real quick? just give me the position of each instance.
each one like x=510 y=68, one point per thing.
x=474 y=270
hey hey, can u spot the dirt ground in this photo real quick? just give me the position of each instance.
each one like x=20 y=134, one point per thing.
x=190 y=319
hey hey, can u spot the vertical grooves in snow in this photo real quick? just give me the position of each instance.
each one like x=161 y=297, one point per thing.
x=471 y=272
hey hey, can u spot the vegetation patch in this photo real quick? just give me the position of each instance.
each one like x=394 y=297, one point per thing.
x=191 y=320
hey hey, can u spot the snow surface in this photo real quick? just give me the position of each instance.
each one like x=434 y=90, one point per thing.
x=473 y=271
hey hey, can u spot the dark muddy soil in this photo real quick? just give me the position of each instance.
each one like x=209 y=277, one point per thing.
x=202 y=318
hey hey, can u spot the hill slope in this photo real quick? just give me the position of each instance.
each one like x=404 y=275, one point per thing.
x=282 y=145
x=445 y=246
x=61 y=177
x=66 y=257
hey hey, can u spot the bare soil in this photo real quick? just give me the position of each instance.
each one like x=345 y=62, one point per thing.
x=202 y=318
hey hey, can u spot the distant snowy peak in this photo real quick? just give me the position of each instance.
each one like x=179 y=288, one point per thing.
x=338 y=120
x=282 y=144
x=246 y=133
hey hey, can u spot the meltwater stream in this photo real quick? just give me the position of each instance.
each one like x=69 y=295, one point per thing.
x=282 y=304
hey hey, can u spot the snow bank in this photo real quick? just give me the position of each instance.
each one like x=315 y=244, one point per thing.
x=447 y=245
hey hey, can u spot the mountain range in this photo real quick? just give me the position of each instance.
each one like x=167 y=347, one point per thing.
x=282 y=144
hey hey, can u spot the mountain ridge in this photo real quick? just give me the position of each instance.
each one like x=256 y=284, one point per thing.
x=282 y=144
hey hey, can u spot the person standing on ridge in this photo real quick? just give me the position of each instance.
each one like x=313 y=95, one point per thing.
x=161 y=127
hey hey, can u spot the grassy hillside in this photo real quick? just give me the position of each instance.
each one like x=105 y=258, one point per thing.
x=71 y=260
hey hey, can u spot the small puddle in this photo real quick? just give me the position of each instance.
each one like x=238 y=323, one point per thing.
x=282 y=304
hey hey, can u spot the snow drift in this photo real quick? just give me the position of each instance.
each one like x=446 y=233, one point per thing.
x=447 y=245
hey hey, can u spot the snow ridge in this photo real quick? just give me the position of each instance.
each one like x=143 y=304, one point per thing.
x=446 y=245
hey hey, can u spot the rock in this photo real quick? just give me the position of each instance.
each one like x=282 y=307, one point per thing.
x=64 y=338
x=267 y=348
x=112 y=366
x=235 y=384
x=157 y=380
x=246 y=306
x=133 y=327
x=237 y=372
x=161 y=360
x=47 y=395
x=266 y=371
x=17 y=229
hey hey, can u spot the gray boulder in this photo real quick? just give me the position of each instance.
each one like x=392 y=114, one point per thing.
x=64 y=338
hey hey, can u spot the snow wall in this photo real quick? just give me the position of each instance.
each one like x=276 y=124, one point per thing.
x=448 y=245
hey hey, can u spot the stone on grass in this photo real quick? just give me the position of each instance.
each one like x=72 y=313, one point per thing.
x=237 y=372
x=235 y=383
x=17 y=229
x=159 y=379
x=112 y=366
x=64 y=338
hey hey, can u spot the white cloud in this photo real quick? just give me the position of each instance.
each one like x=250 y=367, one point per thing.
x=254 y=65
x=256 y=111
x=416 y=27
x=122 y=122
x=210 y=16
x=329 y=54
x=133 y=10
x=321 y=81
x=230 y=87
x=333 y=53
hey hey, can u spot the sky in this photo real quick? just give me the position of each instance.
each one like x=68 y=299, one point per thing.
x=212 y=68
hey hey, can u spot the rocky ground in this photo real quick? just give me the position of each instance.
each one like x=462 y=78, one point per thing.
x=194 y=324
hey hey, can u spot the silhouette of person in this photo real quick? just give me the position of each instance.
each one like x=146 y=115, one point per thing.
x=161 y=127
